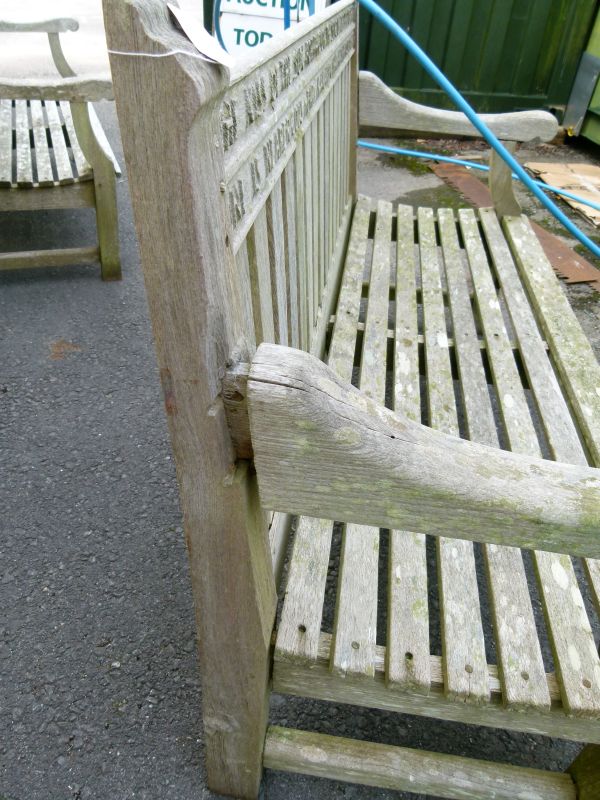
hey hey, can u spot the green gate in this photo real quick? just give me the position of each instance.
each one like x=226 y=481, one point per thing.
x=504 y=55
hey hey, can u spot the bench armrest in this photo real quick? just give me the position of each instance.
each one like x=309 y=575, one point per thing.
x=57 y=25
x=380 y=107
x=324 y=449
x=75 y=89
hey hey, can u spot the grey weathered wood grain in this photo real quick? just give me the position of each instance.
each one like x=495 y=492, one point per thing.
x=290 y=254
x=592 y=567
x=60 y=153
x=260 y=280
x=380 y=107
x=318 y=682
x=520 y=658
x=389 y=472
x=407 y=653
x=23 y=147
x=585 y=772
x=57 y=257
x=84 y=170
x=341 y=355
x=276 y=238
x=402 y=769
x=323 y=184
x=81 y=90
x=501 y=183
x=299 y=629
x=555 y=415
x=43 y=164
x=573 y=355
x=53 y=25
x=6 y=143
x=355 y=629
x=406 y=350
x=463 y=645
x=576 y=660
x=196 y=302
x=316 y=217
x=302 y=246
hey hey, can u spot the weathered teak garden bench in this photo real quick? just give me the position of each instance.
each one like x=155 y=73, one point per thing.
x=259 y=260
x=54 y=154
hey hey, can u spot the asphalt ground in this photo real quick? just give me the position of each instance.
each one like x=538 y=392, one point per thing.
x=100 y=694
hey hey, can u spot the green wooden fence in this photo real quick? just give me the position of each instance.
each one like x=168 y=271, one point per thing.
x=503 y=55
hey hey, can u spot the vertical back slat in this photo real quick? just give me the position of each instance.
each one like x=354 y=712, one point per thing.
x=260 y=279
x=309 y=230
x=301 y=242
x=315 y=216
x=276 y=235
x=323 y=189
x=291 y=247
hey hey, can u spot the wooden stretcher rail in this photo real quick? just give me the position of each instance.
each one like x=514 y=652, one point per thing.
x=400 y=768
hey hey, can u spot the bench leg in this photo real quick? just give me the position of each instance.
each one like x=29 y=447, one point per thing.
x=105 y=188
x=107 y=220
x=235 y=609
x=585 y=771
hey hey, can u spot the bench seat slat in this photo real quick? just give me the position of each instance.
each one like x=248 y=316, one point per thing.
x=62 y=161
x=6 y=144
x=576 y=659
x=408 y=661
x=571 y=351
x=84 y=170
x=520 y=658
x=300 y=625
x=355 y=629
x=569 y=628
x=22 y=129
x=463 y=644
x=45 y=176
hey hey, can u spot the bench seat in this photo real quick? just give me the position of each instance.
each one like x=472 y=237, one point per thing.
x=433 y=318
x=46 y=151
x=54 y=154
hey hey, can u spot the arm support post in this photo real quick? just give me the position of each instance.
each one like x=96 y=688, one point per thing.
x=324 y=449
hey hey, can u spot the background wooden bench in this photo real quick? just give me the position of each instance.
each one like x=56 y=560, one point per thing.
x=54 y=154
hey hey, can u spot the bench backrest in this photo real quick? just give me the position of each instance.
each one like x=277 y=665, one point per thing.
x=242 y=187
x=256 y=170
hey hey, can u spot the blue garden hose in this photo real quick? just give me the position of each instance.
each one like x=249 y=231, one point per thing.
x=439 y=77
x=401 y=151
